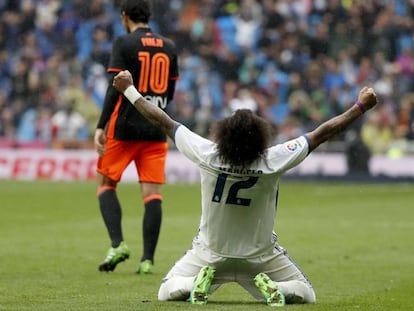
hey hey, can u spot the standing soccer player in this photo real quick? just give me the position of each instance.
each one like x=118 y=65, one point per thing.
x=240 y=173
x=123 y=135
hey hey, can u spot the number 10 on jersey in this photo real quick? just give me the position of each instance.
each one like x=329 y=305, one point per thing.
x=154 y=73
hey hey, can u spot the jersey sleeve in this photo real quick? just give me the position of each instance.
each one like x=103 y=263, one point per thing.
x=191 y=145
x=174 y=74
x=117 y=61
x=285 y=156
x=110 y=100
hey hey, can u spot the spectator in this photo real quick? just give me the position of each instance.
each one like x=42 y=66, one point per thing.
x=44 y=125
x=244 y=100
x=375 y=133
x=406 y=117
x=404 y=67
x=43 y=43
x=82 y=98
x=26 y=129
x=68 y=124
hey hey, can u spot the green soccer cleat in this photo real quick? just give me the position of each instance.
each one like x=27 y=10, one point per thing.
x=271 y=294
x=201 y=287
x=145 y=267
x=114 y=257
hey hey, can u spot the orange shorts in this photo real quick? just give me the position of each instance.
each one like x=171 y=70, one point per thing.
x=149 y=158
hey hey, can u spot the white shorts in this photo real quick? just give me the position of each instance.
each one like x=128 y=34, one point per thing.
x=277 y=265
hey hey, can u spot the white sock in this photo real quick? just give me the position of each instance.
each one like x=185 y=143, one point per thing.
x=176 y=288
x=297 y=292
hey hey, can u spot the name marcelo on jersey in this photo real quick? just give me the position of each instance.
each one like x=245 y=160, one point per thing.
x=241 y=170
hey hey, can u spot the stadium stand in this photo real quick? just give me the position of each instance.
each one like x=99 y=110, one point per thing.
x=295 y=62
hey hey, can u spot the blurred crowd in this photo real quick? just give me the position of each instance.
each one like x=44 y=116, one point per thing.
x=294 y=62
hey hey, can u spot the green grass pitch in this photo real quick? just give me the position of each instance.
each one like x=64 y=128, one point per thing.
x=354 y=242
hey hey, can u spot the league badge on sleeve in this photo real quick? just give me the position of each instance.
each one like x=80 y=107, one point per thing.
x=291 y=146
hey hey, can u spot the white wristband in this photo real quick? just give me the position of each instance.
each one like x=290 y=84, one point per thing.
x=132 y=94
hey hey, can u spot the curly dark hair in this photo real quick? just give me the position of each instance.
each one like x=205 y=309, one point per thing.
x=137 y=10
x=242 y=137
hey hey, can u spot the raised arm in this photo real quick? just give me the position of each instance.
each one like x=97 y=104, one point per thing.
x=366 y=100
x=123 y=83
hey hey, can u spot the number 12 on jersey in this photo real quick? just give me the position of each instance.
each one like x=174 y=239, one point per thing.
x=232 y=197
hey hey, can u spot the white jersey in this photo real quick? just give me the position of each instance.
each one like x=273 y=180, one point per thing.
x=239 y=203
